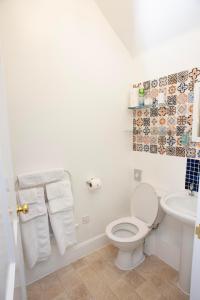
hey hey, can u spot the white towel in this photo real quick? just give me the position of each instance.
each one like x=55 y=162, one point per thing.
x=35 y=226
x=60 y=208
x=63 y=227
x=38 y=178
x=60 y=196
x=35 y=199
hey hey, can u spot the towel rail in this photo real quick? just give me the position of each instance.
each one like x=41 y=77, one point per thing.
x=17 y=188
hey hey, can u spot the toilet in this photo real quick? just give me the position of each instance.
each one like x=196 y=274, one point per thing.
x=128 y=233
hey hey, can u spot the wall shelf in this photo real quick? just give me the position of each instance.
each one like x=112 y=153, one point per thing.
x=140 y=107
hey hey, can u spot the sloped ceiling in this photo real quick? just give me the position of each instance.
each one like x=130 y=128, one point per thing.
x=144 y=24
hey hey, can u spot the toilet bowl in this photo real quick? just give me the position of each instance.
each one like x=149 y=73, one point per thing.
x=128 y=233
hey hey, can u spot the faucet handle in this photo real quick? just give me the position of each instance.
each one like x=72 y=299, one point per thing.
x=191 y=186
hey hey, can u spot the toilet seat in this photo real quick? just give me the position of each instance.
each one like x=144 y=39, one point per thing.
x=135 y=224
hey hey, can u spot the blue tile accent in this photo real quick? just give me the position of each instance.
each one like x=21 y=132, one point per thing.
x=192 y=174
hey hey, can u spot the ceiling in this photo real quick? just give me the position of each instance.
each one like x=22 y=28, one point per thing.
x=144 y=24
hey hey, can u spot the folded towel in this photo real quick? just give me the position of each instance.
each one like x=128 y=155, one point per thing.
x=63 y=227
x=38 y=178
x=60 y=196
x=34 y=226
x=36 y=240
x=36 y=201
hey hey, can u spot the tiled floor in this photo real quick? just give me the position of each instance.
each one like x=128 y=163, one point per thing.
x=96 y=278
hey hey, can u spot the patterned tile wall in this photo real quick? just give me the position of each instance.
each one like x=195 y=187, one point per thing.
x=158 y=129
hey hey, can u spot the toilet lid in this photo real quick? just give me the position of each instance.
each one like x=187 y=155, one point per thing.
x=144 y=203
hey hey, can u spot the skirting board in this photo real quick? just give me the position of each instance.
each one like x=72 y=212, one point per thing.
x=56 y=261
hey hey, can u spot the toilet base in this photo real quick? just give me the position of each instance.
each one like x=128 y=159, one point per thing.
x=128 y=260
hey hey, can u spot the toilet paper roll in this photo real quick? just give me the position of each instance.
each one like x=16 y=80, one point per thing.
x=94 y=184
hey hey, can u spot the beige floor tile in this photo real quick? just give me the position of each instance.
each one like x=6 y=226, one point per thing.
x=51 y=286
x=81 y=263
x=69 y=279
x=134 y=278
x=62 y=296
x=124 y=290
x=170 y=292
x=34 y=291
x=147 y=291
x=95 y=256
x=79 y=293
x=109 y=252
x=97 y=278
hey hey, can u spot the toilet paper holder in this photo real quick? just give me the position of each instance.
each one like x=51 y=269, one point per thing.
x=94 y=183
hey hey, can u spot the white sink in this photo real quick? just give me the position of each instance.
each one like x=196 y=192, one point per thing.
x=180 y=206
x=183 y=207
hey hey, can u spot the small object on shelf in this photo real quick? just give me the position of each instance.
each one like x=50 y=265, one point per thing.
x=147 y=101
x=133 y=101
x=185 y=139
x=141 y=96
x=161 y=98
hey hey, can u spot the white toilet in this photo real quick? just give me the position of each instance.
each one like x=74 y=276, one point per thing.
x=128 y=233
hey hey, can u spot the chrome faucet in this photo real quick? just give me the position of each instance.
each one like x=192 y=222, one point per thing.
x=191 y=188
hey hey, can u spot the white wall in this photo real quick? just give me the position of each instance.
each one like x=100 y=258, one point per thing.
x=143 y=25
x=175 y=55
x=68 y=76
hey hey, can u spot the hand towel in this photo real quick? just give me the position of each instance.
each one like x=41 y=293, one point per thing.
x=61 y=215
x=60 y=196
x=63 y=227
x=39 y=178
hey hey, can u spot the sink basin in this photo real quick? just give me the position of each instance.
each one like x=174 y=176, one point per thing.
x=183 y=207
x=180 y=206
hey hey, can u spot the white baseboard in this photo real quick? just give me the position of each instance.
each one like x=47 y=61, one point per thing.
x=56 y=261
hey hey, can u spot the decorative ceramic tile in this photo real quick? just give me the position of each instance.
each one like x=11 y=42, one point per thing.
x=162 y=111
x=183 y=76
x=146 y=130
x=180 y=151
x=172 y=89
x=171 y=141
x=171 y=151
x=146 y=121
x=163 y=81
x=146 y=85
x=139 y=147
x=182 y=99
x=154 y=83
x=182 y=87
x=162 y=140
x=154 y=112
x=191 y=97
x=191 y=152
x=153 y=148
x=171 y=100
x=171 y=110
x=154 y=130
x=194 y=74
x=159 y=129
x=161 y=150
x=172 y=79
x=146 y=148
x=182 y=120
x=180 y=130
x=153 y=140
x=139 y=122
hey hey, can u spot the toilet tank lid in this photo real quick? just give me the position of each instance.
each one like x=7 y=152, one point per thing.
x=145 y=203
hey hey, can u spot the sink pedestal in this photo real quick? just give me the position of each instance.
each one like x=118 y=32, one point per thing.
x=186 y=258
